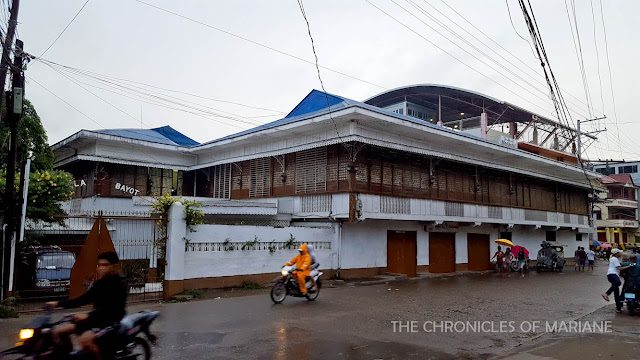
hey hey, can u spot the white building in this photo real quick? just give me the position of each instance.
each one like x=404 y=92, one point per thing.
x=389 y=192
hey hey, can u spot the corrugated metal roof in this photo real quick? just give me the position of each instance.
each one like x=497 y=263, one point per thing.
x=617 y=179
x=315 y=104
x=162 y=135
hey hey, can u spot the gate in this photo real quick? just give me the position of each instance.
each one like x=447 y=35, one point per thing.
x=45 y=258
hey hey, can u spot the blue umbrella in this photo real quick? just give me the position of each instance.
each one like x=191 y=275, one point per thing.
x=594 y=243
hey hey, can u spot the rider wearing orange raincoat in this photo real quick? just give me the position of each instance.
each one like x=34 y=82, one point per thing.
x=302 y=262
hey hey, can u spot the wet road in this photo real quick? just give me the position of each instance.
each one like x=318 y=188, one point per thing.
x=355 y=322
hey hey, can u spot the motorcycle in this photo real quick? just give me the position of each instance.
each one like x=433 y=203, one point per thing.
x=287 y=284
x=632 y=297
x=122 y=341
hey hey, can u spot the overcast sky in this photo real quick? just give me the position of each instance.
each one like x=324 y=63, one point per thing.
x=129 y=40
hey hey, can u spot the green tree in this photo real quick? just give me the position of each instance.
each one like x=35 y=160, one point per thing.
x=47 y=188
x=31 y=137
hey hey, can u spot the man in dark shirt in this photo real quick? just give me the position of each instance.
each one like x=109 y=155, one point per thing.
x=582 y=258
x=108 y=296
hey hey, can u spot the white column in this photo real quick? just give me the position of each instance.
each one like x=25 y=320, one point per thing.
x=461 y=248
x=176 y=232
x=483 y=125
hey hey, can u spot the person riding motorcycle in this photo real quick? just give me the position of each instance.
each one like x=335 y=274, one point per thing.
x=302 y=262
x=314 y=267
x=108 y=296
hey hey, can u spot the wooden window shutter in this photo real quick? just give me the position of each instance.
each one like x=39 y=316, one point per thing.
x=260 y=178
x=311 y=170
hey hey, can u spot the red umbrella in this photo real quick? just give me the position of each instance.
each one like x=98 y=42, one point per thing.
x=516 y=249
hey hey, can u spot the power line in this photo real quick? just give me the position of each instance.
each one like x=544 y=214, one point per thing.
x=313 y=47
x=63 y=30
x=259 y=44
x=505 y=68
x=606 y=45
x=578 y=48
x=450 y=54
x=501 y=47
x=595 y=42
x=515 y=30
x=98 y=75
x=159 y=100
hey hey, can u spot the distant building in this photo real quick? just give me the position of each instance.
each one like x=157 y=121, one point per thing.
x=616 y=168
x=617 y=215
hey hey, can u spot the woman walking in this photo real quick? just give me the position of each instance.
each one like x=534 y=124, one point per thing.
x=522 y=259
x=613 y=275
x=508 y=258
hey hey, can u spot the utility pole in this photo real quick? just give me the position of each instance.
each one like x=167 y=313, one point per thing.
x=14 y=113
x=579 y=136
x=8 y=43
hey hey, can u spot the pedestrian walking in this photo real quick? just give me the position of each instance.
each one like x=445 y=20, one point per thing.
x=508 y=259
x=582 y=258
x=499 y=255
x=591 y=256
x=613 y=276
x=522 y=259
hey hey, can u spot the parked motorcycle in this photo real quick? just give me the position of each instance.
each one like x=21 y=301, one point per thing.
x=287 y=284
x=119 y=342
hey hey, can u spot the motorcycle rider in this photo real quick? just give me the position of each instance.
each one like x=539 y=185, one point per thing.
x=108 y=296
x=314 y=267
x=302 y=262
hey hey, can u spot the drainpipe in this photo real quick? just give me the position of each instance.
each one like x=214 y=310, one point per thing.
x=338 y=235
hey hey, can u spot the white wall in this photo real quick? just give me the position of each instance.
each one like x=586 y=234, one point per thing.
x=201 y=261
x=364 y=244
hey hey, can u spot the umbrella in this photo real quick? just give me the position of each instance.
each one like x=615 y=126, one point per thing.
x=594 y=243
x=516 y=249
x=504 y=242
x=605 y=246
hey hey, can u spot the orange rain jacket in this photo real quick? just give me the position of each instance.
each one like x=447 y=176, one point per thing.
x=302 y=261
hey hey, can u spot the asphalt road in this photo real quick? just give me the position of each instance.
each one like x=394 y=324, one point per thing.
x=356 y=322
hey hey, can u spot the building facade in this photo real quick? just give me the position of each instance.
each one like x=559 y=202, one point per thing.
x=617 y=212
x=404 y=192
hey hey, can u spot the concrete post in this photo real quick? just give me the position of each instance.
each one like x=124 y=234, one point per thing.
x=483 y=125
x=176 y=233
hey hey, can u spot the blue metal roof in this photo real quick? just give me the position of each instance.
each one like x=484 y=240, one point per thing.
x=315 y=103
x=162 y=135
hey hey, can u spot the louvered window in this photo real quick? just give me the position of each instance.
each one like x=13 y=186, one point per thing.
x=221 y=181
x=260 y=181
x=311 y=170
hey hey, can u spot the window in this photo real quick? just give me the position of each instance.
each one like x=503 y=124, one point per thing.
x=221 y=181
x=631 y=169
x=578 y=237
x=506 y=235
x=598 y=214
x=609 y=170
x=311 y=170
x=551 y=236
x=260 y=180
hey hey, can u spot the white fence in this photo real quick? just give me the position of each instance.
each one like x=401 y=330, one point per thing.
x=230 y=250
